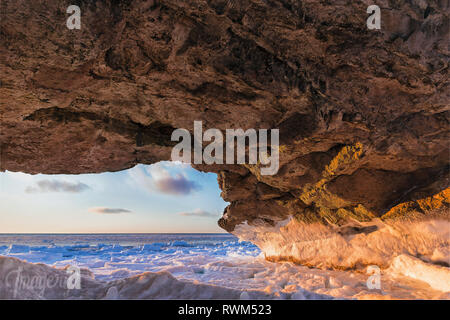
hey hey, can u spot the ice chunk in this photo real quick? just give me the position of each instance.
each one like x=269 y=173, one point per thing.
x=436 y=276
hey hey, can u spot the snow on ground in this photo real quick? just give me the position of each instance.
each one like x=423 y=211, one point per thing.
x=200 y=266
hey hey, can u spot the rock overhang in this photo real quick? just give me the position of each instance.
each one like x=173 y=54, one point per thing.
x=363 y=115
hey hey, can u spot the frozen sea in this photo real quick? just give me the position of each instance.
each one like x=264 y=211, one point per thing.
x=213 y=259
x=115 y=256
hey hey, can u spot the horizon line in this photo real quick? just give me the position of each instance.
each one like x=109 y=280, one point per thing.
x=20 y=233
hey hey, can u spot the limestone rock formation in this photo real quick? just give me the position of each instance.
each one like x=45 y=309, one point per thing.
x=363 y=114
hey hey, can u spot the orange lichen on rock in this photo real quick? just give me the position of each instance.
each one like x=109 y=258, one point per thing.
x=438 y=203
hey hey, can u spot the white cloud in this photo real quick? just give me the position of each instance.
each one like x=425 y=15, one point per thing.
x=165 y=177
x=103 y=210
x=199 y=213
x=47 y=185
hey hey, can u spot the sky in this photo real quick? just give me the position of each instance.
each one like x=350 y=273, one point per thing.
x=166 y=197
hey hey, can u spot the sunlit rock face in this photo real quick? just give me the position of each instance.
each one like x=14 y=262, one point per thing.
x=363 y=114
x=352 y=247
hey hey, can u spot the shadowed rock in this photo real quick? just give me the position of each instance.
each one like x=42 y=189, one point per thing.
x=363 y=114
